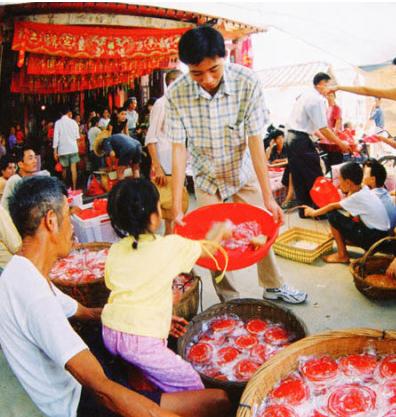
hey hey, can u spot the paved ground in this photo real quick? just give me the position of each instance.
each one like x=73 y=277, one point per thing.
x=333 y=303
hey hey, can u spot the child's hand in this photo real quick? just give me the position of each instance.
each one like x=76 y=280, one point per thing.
x=220 y=231
x=178 y=326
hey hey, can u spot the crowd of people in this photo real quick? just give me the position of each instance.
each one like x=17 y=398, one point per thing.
x=69 y=139
x=214 y=117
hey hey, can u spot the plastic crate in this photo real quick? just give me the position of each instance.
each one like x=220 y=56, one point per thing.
x=96 y=229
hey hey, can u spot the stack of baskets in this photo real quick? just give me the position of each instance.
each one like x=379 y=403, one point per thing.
x=335 y=344
x=246 y=309
x=370 y=264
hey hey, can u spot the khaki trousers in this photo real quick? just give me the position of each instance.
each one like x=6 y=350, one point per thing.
x=269 y=275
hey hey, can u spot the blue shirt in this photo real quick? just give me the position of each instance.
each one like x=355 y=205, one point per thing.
x=386 y=200
x=121 y=144
x=378 y=116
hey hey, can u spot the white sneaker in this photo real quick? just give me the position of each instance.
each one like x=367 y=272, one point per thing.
x=286 y=294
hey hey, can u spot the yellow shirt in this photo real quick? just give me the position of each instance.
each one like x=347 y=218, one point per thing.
x=140 y=281
x=10 y=241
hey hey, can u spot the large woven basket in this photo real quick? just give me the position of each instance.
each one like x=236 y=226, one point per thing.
x=370 y=264
x=246 y=309
x=90 y=294
x=188 y=305
x=284 y=245
x=335 y=344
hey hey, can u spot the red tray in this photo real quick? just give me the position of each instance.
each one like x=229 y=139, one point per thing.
x=199 y=222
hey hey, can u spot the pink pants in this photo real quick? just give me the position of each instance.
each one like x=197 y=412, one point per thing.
x=159 y=364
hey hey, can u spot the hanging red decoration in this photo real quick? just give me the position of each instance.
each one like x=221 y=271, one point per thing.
x=54 y=84
x=21 y=59
x=52 y=65
x=94 y=42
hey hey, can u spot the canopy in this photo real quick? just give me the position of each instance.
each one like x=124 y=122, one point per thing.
x=357 y=33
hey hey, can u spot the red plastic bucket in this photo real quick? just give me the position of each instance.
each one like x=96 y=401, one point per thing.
x=199 y=222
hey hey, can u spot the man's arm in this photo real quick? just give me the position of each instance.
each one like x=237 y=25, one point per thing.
x=160 y=177
x=85 y=313
x=329 y=134
x=389 y=93
x=388 y=141
x=55 y=142
x=179 y=158
x=87 y=370
x=175 y=131
x=310 y=212
x=259 y=159
x=153 y=132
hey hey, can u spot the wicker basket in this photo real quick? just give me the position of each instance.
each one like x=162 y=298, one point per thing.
x=246 y=309
x=188 y=305
x=89 y=294
x=284 y=245
x=369 y=264
x=335 y=344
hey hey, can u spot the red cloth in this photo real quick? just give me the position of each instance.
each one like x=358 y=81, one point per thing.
x=19 y=136
x=333 y=114
x=95 y=42
x=50 y=133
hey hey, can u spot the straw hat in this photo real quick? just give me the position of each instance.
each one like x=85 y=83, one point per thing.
x=97 y=146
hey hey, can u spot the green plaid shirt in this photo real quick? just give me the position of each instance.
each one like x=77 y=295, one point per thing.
x=216 y=128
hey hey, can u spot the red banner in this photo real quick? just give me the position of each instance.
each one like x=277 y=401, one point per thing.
x=95 y=42
x=50 y=65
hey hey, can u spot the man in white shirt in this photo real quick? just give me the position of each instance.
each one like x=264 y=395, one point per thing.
x=132 y=115
x=160 y=147
x=53 y=364
x=309 y=114
x=366 y=220
x=66 y=134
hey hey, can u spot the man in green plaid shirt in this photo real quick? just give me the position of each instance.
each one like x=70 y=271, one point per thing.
x=218 y=112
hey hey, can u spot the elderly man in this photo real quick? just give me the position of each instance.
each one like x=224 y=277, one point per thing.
x=50 y=360
x=218 y=111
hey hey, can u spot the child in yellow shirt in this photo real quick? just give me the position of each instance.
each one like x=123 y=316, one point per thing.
x=140 y=269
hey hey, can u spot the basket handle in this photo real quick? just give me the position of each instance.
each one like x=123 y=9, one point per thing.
x=373 y=247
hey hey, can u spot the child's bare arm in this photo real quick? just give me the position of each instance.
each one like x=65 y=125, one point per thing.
x=216 y=234
x=310 y=212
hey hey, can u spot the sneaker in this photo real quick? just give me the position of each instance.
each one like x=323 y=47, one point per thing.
x=286 y=294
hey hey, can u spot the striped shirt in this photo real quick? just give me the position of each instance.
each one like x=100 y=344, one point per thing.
x=216 y=128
